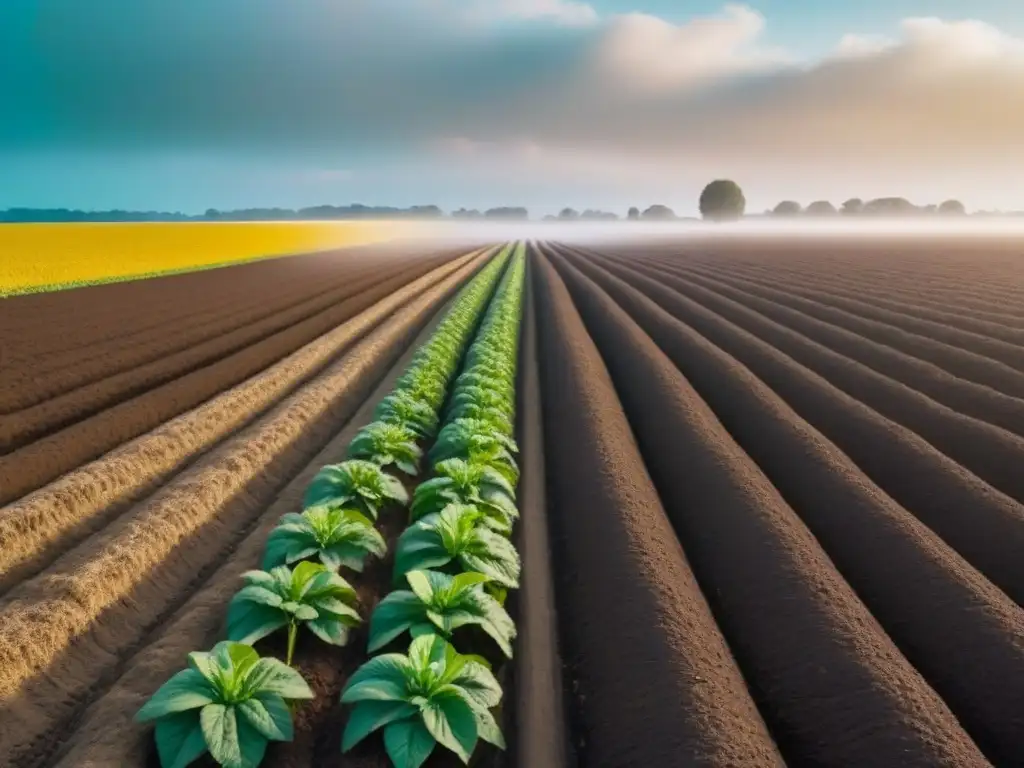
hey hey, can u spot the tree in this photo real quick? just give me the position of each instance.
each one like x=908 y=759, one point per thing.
x=568 y=213
x=463 y=213
x=952 y=208
x=634 y=213
x=890 y=206
x=852 y=207
x=506 y=213
x=659 y=213
x=787 y=208
x=722 y=200
x=821 y=208
x=592 y=215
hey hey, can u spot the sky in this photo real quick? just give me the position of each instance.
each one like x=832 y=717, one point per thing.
x=191 y=104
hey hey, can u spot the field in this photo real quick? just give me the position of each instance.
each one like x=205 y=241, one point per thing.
x=45 y=257
x=768 y=498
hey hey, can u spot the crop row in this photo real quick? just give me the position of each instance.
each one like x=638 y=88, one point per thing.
x=453 y=566
x=230 y=702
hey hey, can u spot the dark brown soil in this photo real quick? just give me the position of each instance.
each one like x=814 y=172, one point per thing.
x=35 y=464
x=926 y=482
x=534 y=705
x=768 y=581
x=652 y=680
x=943 y=610
x=121 y=383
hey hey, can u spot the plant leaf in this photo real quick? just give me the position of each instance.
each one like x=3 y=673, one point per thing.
x=477 y=683
x=270 y=675
x=487 y=728
x=249 y=622
x=220 y=729
x=452 y=722
x=408 y=743
x=269 y=714
x=382 y=678
x=368 y=716
x=185 y=690
x=179 y=739
x=393 y=616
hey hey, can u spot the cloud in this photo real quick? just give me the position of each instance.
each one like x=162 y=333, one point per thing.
x=502 y=87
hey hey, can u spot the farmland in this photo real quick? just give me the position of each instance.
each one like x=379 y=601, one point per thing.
x=45 y=257
x=721 y=502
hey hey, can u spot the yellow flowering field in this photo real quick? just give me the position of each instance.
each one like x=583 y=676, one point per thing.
x=43 y=257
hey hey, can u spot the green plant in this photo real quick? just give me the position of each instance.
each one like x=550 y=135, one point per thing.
x=310 y=595
x=478 y=442
x=431 y=696
x=229 y=702
x=440 y=603
x=355 y=483
x=403 y=409
x=338 y=537
x=462 y=482
x=494 y=419
x=386 y=444
x=455 y=536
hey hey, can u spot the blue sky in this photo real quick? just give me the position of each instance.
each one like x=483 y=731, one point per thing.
x=230 y=103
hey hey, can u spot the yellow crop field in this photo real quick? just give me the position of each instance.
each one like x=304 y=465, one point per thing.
x=42 y=257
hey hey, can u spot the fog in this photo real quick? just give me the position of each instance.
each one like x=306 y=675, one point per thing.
x=611 y=231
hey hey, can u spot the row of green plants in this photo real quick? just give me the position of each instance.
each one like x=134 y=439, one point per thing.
x=230 y=702
x=453 y=566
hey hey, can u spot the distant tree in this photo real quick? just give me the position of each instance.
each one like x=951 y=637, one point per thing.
x=464 y=213
x=506 y=212
x=952 y=208
x=634 y=213
x=212 y=213
x=821 y=208
x=568 y=214
x=722 y=200
x=931 y=209
x=425 y=212
x=852 y=207
x=787 y=208
x=890 y=206
x=592 y=215
x=659 y=213
x=550 y=217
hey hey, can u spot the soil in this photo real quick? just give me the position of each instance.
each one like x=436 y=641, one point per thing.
x=652 y=680
x=944 y=609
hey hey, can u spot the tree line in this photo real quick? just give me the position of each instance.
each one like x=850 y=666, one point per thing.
x=721 y=200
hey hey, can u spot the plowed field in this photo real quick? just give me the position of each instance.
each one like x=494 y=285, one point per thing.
x=772 y=497
x=785 y=490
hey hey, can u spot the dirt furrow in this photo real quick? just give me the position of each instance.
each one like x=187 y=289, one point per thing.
x=992 y=453
x=937 y=490
x=97 y=602
x=931 y=602
x=192 y=342
x=997 y=349
x=535 y=706
x=35 y=529
x=89 y=367
x=634 y=626
x=73 y=405
x=843 y=695
x=868 y=342
x=868 y=295
x=868 y=289
x=44 y=460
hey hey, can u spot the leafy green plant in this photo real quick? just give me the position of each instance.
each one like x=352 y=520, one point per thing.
x=440 y=603
x=403 y=409
x=455 y=537
x=229 y=702
x=494 y=419
x=424 y=383
x=356 y=484
x=487 y=378
x=431 y=696
x=338 y=537
x=477 y=442
x=462 y=482
x=310 y=595
x=386 y=444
